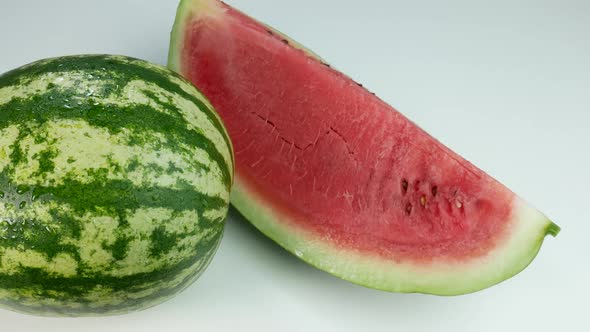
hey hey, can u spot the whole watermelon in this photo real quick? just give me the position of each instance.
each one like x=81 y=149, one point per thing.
x=114 y=185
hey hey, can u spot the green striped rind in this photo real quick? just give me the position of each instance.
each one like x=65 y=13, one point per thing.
x=114 y=185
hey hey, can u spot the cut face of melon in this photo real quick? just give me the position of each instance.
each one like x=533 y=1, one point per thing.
x=341 y=179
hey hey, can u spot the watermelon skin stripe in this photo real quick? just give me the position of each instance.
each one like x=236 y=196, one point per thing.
x=138 y=117
x=129 y=68
x=123 y=195
x=73 y=291
x=101 y=199
x=115 y=177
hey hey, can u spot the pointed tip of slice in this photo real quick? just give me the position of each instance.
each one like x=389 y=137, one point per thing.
x=201 y=7
x=187 y=11
x=553 y=229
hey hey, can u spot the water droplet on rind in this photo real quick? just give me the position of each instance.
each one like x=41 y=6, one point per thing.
x=1 y=194
x=22 y=204
x=22 y=189
x=39 y=194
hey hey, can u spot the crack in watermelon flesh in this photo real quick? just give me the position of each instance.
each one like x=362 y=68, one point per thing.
x=322 y=159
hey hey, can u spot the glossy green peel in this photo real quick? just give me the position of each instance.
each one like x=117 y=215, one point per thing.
x=115 y=177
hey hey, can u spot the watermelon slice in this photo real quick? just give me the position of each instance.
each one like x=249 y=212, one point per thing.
x=341 y=179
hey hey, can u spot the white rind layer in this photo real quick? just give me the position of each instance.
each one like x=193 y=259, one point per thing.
x=527 y=229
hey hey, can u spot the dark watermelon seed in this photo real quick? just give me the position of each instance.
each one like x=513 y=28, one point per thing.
x=404 y=186
x=408 y=208
x=434 y=190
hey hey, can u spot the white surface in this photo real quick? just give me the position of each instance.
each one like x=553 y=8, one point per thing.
x=505 y=83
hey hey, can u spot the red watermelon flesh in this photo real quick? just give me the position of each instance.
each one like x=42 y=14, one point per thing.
x=340 y=178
